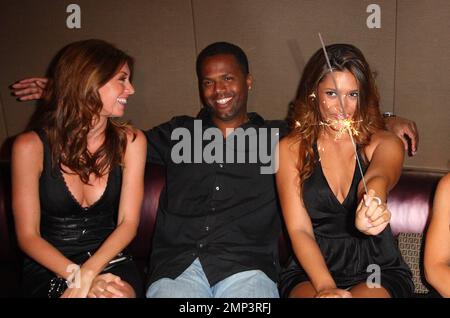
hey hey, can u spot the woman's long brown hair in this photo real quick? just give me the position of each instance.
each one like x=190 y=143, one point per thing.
x=306 y=117
x=73 y=104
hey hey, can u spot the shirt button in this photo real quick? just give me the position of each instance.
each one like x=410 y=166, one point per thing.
x=213 y=209
x=221 y=165
x=206 y=228
x=200 y=245
x=217 y=188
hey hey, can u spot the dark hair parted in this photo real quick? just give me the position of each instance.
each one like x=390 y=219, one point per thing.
x=306 y=113
x=219 y=48
x=73 y=106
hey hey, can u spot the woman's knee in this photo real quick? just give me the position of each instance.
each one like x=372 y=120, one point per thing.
x=303 y=290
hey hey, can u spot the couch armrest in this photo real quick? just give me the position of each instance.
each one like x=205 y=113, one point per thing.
x=155 y=178
x=411 y=201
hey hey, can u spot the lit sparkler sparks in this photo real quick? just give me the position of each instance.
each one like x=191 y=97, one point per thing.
x=344 y=124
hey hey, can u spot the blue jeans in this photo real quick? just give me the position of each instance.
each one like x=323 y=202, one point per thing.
x=192 y=283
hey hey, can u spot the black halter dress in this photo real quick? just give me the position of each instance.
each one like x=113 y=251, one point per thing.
x=75 y=231
x=351 y=256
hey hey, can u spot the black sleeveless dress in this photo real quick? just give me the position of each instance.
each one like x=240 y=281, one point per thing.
x=350 y=255
x=75 y=231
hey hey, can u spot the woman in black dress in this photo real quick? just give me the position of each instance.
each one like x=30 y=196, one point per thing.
x=78 y=179
x=340 y=235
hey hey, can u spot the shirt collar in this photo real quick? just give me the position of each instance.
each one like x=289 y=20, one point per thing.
x=254 y=119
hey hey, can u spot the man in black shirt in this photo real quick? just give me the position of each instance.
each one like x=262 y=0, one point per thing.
x=218 y=221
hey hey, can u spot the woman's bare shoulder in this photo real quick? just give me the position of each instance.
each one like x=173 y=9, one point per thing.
x=385 y=136
x=28 y=142
x=290 y=143
x=136 y=141
x=444 y=185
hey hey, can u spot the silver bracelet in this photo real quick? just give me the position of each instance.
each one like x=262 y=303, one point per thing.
x=388 y=114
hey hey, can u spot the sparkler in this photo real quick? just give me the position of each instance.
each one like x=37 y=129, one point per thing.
x=345 y=123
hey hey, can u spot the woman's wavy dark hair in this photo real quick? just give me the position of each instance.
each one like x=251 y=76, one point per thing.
x=305 y=116
x=73 y=105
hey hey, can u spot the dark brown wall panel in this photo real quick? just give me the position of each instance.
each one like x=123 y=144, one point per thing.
x=423 y=77
x=409 y=53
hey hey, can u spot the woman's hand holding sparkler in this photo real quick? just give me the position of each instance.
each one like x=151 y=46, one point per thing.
x=372 y=215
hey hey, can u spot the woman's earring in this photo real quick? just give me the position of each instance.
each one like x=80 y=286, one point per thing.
x=312 y=95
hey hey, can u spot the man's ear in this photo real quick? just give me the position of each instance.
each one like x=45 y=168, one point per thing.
x=249 y=81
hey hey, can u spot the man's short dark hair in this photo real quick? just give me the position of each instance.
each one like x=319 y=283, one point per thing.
x=218 y=48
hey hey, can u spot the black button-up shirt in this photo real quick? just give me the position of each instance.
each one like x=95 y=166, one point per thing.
x=226 y=214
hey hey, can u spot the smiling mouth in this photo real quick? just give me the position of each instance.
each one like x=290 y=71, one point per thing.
x=122 y=101
x=223 y=101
